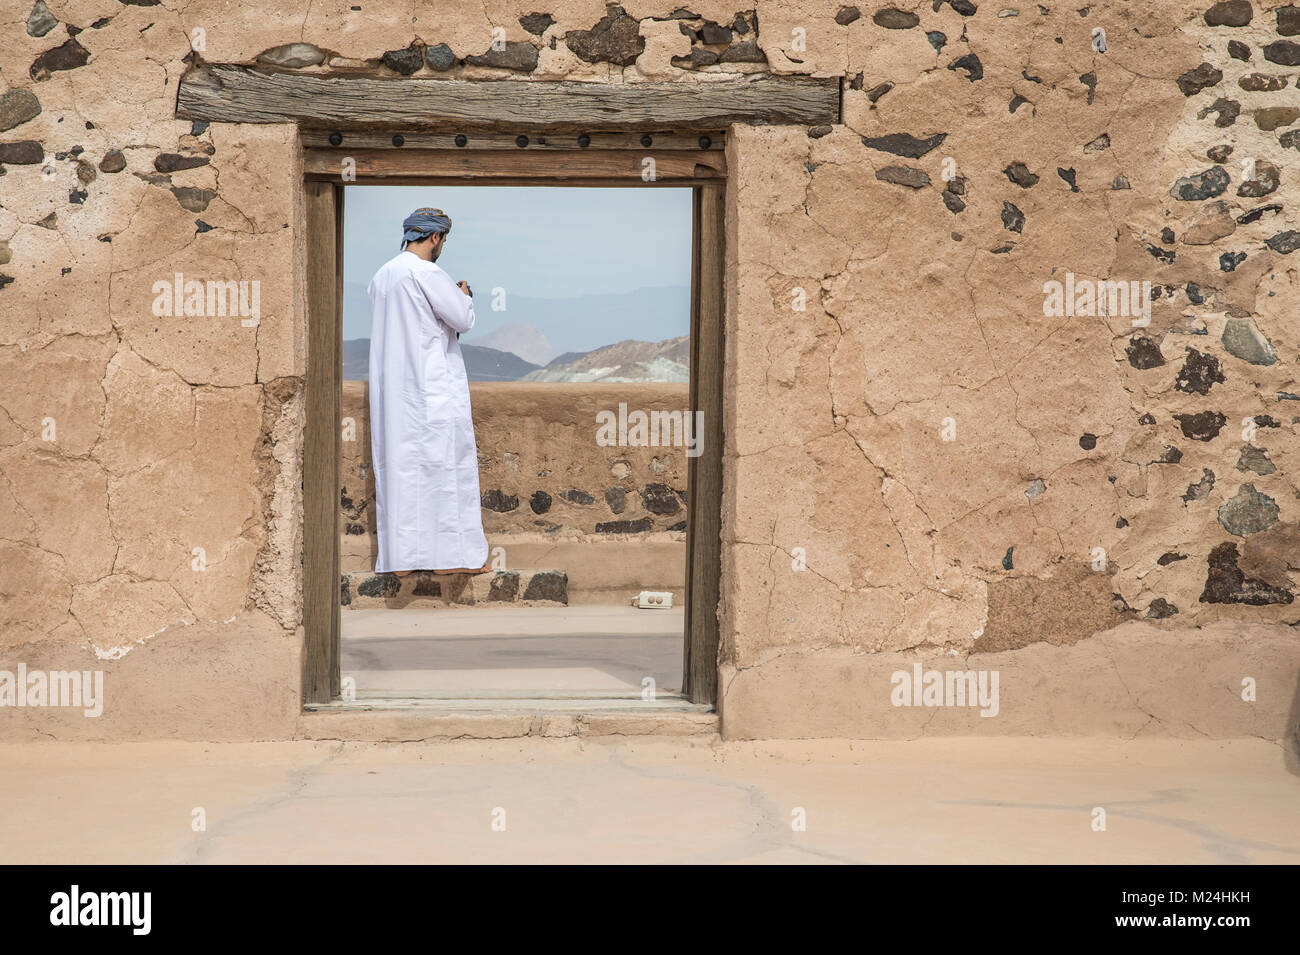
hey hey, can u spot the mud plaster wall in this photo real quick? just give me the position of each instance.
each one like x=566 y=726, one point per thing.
x=924 y=303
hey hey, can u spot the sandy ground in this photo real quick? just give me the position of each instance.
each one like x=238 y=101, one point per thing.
x=622 y=800
x=591 y=649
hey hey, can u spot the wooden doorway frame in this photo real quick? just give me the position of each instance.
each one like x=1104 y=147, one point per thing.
x=691 y=159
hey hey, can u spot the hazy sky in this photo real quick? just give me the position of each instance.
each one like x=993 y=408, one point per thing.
x=533 y=241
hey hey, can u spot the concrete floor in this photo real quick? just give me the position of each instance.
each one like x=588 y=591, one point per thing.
x=519 y=650
x=622 y=800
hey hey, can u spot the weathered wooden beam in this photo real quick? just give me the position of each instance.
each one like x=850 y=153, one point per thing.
x=238 y=94
x=660 y=140
x=615 y=165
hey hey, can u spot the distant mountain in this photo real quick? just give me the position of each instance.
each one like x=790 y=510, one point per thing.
x=481 y=364
x=575 y=324
x=626 y=361
x=518 y=338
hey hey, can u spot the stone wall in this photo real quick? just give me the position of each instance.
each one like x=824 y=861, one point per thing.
x=927 y=462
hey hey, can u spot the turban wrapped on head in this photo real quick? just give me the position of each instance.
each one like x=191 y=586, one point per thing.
x=423 y=222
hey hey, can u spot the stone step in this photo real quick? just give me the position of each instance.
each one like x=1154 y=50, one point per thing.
x=427 y=591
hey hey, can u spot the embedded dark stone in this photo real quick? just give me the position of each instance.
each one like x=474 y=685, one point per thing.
x=1019 y=173
x=174 y=162
x=1067 y=175
x=1194 y=294
x=1017 y=101
x=379 y=585
x=5 y=280
x=540 y=502
x=1167 y=235
x=847 y=15
x=499 y=501
x=1227 y=111
x=1283 y=52
x=1267 y=421
x=1267 y=178
x=1229 y=13
x=817 y=132
x=1229 y=261
x=1243 y=340
x=1147 y=418
x=1199 y=373
x=405 y=61
x=536 y=23
x=1254 y=215
x=903 y=176
x=1164 y=255
x=1160 y=609
x=574 y=496
x=1143 y=353
x=24 y=153
x=624 y=527
x=17 y=107
x=892 y=19
x=504 y=585
x=518 y=55
x=67 y=56
x=903 y=144
x=1201 y=489
x=1238 y=50
x=970 y=63
x=439 y=57
x=113 y=161
x=1220 y=153
x=1088 y=441
x=1169 y=557
x=1099 y=144
x=1226 y=584
x=40 y=21
x=1171 y=456
x=746 y=51
x=698 y=57
x=952 y=196
x=1261 y=83
x=1248 y=512
x=1202 y=426
x=1195 y=80
x=1288 y=20
x=201 y=227
x=679 y=526
x=876 y=92
x=1089 y=80
x=191 y=199
x=714 y=34
x=1273 y=117
x=616 y=38
x=1284 y=242
x=937 y=40
x=548 y=585
x=1013 y=219
x=616 y=498
x=426 y=585
x=1007 y=562
x=660 y=499
x=1254 y=459
x=1121 y=523
x=964 y=7
x=1204 y=185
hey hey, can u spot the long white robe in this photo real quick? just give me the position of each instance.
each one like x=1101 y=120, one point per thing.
x=421 y=432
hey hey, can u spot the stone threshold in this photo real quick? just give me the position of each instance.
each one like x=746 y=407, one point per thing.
x=414 y=718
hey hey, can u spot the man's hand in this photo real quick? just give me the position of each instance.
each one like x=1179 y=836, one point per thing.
x=464 y=287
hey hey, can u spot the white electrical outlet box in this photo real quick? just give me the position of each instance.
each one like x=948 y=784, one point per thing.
x=655 y=600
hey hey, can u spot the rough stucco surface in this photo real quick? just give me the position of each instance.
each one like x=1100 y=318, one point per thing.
x=970 y=169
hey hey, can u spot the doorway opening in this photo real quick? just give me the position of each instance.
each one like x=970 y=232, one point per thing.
x=582 y=315
x=595 y=381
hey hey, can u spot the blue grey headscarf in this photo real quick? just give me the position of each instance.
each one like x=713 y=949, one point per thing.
x=423 y=222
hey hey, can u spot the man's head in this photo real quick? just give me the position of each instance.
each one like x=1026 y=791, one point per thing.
x=424 y=232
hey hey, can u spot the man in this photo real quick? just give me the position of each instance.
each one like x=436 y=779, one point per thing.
x=421 y=433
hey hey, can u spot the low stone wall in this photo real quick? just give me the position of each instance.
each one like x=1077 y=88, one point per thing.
x=550 y=473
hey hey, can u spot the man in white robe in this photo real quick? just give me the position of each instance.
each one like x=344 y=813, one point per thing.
x=421 y=432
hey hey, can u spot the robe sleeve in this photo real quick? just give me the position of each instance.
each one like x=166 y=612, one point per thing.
x=450 y=305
